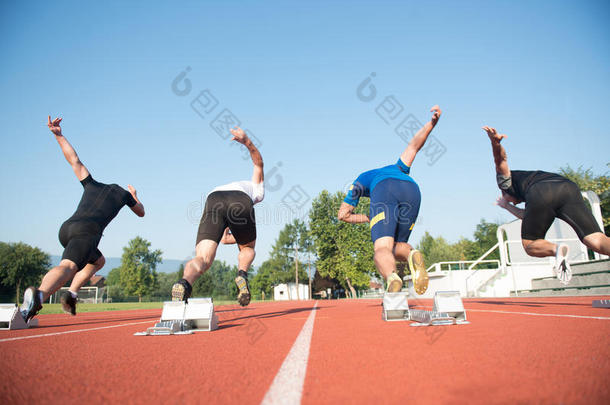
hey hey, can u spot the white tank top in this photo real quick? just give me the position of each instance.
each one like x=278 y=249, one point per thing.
x=256 y=191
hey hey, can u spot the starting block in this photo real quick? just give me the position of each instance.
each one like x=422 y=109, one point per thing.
x=448 y=309
x=11 y=318
x=395 y=306
x=601 y=304
x=184 y=318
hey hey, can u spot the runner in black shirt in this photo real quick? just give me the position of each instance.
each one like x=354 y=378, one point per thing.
x=546 y=196
x=80 y=234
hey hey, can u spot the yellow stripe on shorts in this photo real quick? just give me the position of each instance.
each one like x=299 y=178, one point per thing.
x=377 y=218
x=412 y=225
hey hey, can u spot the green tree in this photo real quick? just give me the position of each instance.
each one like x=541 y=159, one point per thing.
x=114 y=288
x=218 y=281
x=437 y=250
x=22 y=265
x=165 y=281
x=264 y=280
x=291 y=247
x=600 y=184
x=344 y=251
x=485 y=237
x=138 y=267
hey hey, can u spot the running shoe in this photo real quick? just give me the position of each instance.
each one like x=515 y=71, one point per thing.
x=562 y=267
x=68 y=303
x=419 y=275
x=31 y=303
x=181 y=291
x=243 y=296
x=394 y=283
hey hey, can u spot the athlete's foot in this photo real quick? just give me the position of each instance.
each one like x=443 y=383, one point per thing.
x=181 y=291
x=394 y=283
x=243 y=296
x=32 y=303
x=68 y=303
x=562 y=267
x=419 y=275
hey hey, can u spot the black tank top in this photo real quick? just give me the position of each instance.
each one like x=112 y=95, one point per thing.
x=101 y=202
x=522 y=180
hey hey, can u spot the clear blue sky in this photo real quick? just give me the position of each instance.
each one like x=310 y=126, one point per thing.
x=538 y=71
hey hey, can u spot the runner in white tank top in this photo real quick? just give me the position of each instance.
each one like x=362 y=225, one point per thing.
x=228 y=208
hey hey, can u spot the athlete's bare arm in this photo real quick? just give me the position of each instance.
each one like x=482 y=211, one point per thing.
x=227 y=238
x=516 y=211
x=420 y=137
x=498 y=151
x=79 y=168
x=240 y=136
x=138 y=209
x=346 y=214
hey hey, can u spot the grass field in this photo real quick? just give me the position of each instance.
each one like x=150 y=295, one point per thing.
x=118 y=306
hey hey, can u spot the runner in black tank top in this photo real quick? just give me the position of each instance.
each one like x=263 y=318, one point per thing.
x=546 y=196
x=80 y=234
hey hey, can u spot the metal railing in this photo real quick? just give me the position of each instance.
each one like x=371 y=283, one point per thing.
x=481 y=260
x=461 y=264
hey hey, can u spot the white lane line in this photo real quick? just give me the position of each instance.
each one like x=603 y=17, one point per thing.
x=71 y=331
x=287 y=386
x=605 y=318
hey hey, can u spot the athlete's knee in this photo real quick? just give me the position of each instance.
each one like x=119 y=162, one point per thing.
x=402 y=250
x=68 y=265
x=596 y=241
x=527 y=246
x=246 y=251
x=197 y=264
x=383 y=250
x=99 y=263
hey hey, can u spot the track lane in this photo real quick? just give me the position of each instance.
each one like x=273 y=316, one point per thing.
x=498 y=358
x=235 y=364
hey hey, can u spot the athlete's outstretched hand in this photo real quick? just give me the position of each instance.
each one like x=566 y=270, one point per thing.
x=132 y=190
x=238 y=135
x=436 y=114
x=501 y=202
x=494 y=135
x=54 y=126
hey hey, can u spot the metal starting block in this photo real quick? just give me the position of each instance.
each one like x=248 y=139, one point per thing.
x=166 y=328
x=601 y=304
x=395 y=306
x=184 y=318
x=11 y=318
x=448 y=309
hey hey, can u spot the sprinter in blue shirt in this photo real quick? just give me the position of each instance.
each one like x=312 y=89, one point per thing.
x=395 y=200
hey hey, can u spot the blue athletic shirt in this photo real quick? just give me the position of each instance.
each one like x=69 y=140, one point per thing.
x=366 y=182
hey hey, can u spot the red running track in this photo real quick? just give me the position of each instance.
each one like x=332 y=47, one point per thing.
x=518 y=350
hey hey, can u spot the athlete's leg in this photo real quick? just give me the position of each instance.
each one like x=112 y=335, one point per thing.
x=205 y=254
x=402 y=250
x=57 y=277
x=83 y=276
x=384 y=258
x=246 y=255
x=598 y=242
x=539 y=247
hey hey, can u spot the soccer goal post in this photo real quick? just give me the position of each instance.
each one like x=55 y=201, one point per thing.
x=85 y=295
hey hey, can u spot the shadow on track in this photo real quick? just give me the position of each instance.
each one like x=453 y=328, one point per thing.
x=271 y=314
x=98 y=321
x=529 y=303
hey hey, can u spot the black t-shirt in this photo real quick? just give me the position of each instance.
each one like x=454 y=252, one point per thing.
x=522 y=180
x=101 y=202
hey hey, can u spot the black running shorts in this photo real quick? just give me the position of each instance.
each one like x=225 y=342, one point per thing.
x=80 y=240
x=232 y=209
x=547 y=200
